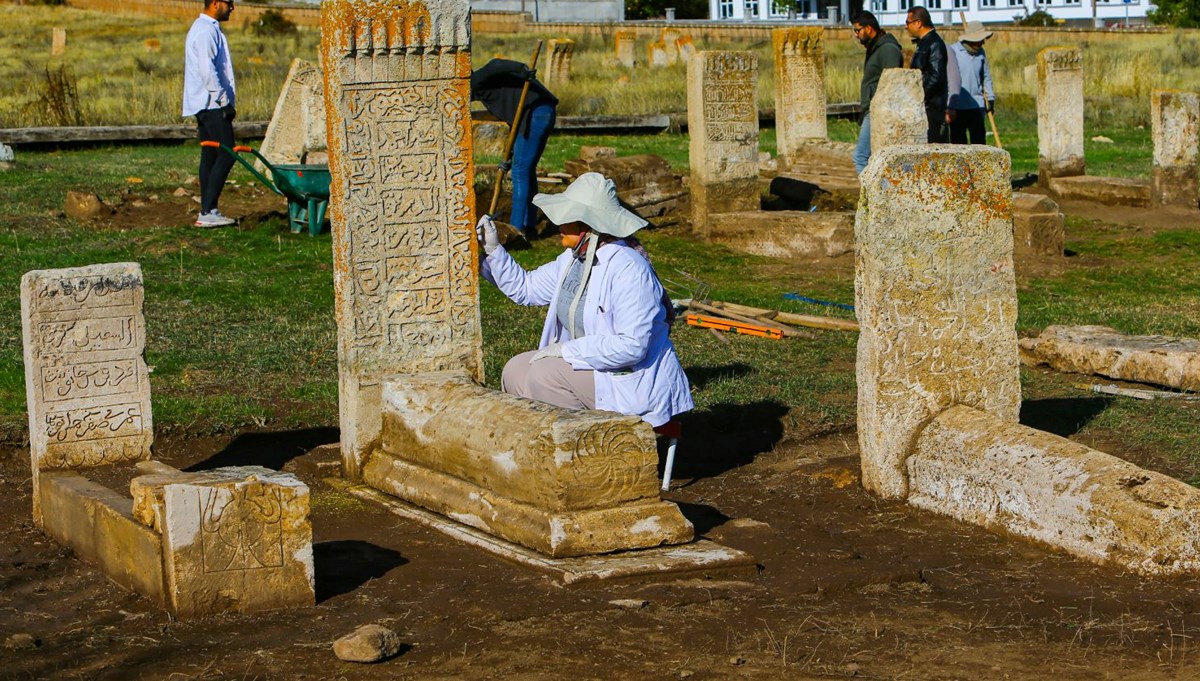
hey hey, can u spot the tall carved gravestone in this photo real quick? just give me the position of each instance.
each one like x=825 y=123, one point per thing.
x=656 y=55
x=1175 y=119
x=799 y=88
x=935 y=297
x=898 y=110
x=687 y=47
x=298 y=124
x=723 y=134
x=405 y=276
x=58 y=41
x=86 y=385
x=669 y=37
x=562 y=50
x=1060 y=113
x=625 y=46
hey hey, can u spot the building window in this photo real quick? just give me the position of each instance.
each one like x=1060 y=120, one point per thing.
x=1043 y=3
x=725 y=9
x=779 y=8
x=879 y=5
x=987 y=4
x=935 y=4
x=1016 y=3
x=751 y=8
x=960 y=4
x=1070 y=2
x=905 y=5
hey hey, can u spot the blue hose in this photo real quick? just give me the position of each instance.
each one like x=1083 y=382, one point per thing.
x=806 y=299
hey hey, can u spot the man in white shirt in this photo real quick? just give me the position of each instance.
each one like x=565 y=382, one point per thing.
x=208 y=94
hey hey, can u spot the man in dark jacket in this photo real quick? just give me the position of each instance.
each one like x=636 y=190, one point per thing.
x=498 y=85
x=930 y=58
x=883 y=52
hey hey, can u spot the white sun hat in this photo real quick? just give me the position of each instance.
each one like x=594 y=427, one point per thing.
x=975 y=33
x=592 y=200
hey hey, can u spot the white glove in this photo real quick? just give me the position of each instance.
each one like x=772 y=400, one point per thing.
x=552 y=350
x=485 y=231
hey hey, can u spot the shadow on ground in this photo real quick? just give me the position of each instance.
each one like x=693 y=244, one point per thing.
x=344 y=565
x=726 y=436
x=1062 y=416
x=269 y=450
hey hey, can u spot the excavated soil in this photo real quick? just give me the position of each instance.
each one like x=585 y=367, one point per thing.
x=848 y=585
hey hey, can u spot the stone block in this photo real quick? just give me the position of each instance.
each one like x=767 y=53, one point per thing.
x=785 y=233
x=1160 y=360
x=1175 y=122
x=686 y=46
x=87 y=389
x=625 y=46
x=298 y=124
x=935 y=297
x=1039 y=227
x=898 y=110
x=669 y=38
x=148 y=492
x=84 y=205
x=96 y=523
x=1060 y=113
x=656 y=55
x=977 y=468
x=58 y=40
x=406 y=283
x=562 y=51
x=241 y=543
x=713 y=198
x=561 y=482
x=1111 y=191
x=799 y=88
x=645 y=182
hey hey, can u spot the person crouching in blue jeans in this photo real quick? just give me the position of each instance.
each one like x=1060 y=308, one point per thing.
x=605 y=342
x=498 y=86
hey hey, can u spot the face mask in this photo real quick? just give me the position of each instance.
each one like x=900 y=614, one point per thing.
x=973 y=48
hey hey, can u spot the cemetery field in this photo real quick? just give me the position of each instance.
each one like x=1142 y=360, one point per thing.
x=240 y=334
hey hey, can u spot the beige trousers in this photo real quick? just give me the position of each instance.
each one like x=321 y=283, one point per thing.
x=551 y=380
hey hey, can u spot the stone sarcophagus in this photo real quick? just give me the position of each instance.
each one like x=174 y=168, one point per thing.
x=561 y=482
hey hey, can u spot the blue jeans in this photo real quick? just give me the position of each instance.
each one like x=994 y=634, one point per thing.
x=862 y=150
x=527 y=150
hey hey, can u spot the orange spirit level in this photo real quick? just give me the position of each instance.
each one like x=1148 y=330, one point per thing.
x=706 y=322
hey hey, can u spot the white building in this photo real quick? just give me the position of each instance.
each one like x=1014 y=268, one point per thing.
x=558 y=10
x=892 y=12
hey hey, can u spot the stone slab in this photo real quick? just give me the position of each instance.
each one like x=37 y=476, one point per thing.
x=1060 y=113
x=1159 y=360
x=799 y=87
x=87 y=388
x=645 y=182
x=974 y=467
x=785 y=233
x=241 y=544
x=1110 y=191
x=298 y=124
x=97 y=524
x=935 y=297
x=701 y=558
x=148 y=489
x=898 y=110
x=1039 y=227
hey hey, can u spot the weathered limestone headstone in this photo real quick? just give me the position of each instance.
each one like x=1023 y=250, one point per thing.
x=799 y=88
x=87 y=389
x=656 y=55
x=298 y=124
x=1175 y=119
x=687 y=47
x=237 y=541
x=625 y=47
x=58 y=40
x=1038 y=225
x=561 y=52
x=723 y=134
x=898 y=110
x=669 y=38
x=405 y=264
x=935 y=297
x=1161 y=360
x=6 y=157
x=1060 y=113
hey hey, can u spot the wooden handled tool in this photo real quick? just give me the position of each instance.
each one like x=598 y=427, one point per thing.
x=512 y=132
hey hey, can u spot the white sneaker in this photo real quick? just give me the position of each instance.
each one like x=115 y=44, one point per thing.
x=213 y=218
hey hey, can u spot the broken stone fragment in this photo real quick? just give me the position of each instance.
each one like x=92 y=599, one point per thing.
x=1159 y=360
x=84 y=205
x=368 y=643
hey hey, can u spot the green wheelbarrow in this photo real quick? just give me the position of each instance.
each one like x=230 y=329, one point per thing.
x=306 y=187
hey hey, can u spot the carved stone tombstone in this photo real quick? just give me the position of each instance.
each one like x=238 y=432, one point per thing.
x=87 y=389
x=656 y=55
x=898 y=110
x=58 y=41
x=669 y=38
x=298 y=124
x=935 y=296
x=723 y=134
x=799 y=88
x=405 y=274
x=1060 y=113
x=687 y=47
x=1175 y=119
x=561 y=52
x=625 y=46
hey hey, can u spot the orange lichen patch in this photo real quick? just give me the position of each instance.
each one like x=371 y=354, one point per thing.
x=840 y=477
x=957 y=176
x=359 y=24
x=798 y=39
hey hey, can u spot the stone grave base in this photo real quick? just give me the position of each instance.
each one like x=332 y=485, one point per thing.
x=1038 y=225
x=703 y=558
x=1110 y=191
x=194 y=543
x=784 y=233
x=1160 y=360
x=977 y=468
x=1175 y=186
x=733 y=196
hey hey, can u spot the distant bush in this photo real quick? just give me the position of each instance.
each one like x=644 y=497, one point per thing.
x=58 y=102
x=1038 y=18
x=274 y=22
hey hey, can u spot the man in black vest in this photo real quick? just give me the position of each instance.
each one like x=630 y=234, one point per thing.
x=930 y=58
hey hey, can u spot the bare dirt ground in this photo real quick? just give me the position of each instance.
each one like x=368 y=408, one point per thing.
x=848 y=586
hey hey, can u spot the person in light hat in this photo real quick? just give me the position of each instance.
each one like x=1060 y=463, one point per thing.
x=605 y=342
x=971 y=94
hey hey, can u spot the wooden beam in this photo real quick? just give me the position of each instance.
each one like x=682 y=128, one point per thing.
x=120 y=133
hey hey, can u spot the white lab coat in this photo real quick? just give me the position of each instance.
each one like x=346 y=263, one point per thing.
x=625 y=338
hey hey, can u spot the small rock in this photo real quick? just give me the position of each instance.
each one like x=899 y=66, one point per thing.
x=138 y=204
x=737 y=661
x=83 y=205
x=181 y=192
x=685 y=673
x=630 y=603
x=6 y=153
x=368 y=643
x=192 y=180
x=746 y=523
x=196 y=199
x=152 y=197
x=852 y=669
x=21 y=642
x=1102 y=139
x=591 y=153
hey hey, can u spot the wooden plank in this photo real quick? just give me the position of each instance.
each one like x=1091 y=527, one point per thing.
x=120 y=133
x=811 y=321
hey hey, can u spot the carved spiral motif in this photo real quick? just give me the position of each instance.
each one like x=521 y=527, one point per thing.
x=604 y=452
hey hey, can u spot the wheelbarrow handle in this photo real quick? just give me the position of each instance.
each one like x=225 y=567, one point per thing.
x=210 y=143
x=241 y=149
x=234 y=152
